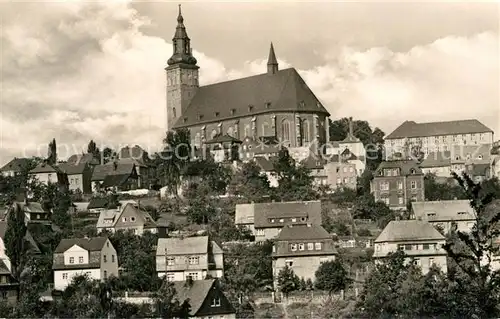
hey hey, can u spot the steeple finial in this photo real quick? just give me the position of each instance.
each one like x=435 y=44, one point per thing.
x=181 y=43
x=272 y=62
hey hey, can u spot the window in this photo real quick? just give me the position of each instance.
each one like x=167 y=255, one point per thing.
x=345 y=169
x=413 y=184
x=132 y=219
x=216 y=114
x=112 y=258
x=401 y=200
x=282 y=220
x=293 y=247
x=408 y=247
x=105 y=258
x=317 y=246
x=425 y=246
x=294 y=220
x=310 y=246
x=401 y=247
x=323 y=260
x=400 y=185
x=286 y=133
x=170 y=277
x=250 y=108
x=272 y=220
x=107 y=244
x=431 y=262
x=301 y=246
x=384 y=186
x=71 y=260
x=289 y=263
x=174 y=112
x=4 y=294
x=170 y=261
x=417 y=262
x=233 y=111
x=214 y=134
x=268 y=105
x=386 y=200
x=194 y=260
x=215 y=302
x=125 y=219
x=259 y=232
x=306 y=131
x=105 y=274
x=351 y=169
x=80 y=260
x=192 y=275
x=65 y=275
x=230 y=131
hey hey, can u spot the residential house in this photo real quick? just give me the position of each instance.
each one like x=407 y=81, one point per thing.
x=265 y=220
x=334 y=154
x=459 y=159
x=303 y=248
x=353 y=145
x=446 y=214
x=9 y=286
x=114 y=176
x=15 y=166
x=317 y=167
x=223 y=148
x=140 y=158
x=33 y=212
x=95 y=257
x=341 y=173
x=87 y=158
x=126 y=217
x=97 y=205
x=206 y=299
x=267 y=167
x=192 y=257
x=46 y=173
x=32 y=248
x=436 y=136
x=79 y=176
x=398 y=183
x=418 y=239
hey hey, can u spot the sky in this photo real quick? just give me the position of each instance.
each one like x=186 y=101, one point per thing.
x=82 y=70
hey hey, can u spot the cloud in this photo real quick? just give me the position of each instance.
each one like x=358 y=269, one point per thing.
x=79 y=71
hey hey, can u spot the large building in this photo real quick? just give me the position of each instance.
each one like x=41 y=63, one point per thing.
x=277 y=103
x=436 y=136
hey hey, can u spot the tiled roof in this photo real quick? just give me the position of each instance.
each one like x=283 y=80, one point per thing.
x=405 y=165
x=267 y=165
x=89 y=244
x=82 y=159
x=44 y=168
x=480 y=170
x=115 y=180
x=107 y=215
x=97 y=202
x=223 y=139
x=284 y=91
x=196 y=293
x=4 y=270
x=32 y=207
x=408 y=230
x=458 y=154
x=314 y=162
x=446 y=210
x=262 y=212
x=72 y=169
x=142 y=215
x=303 y=232
x=138 y=162
x=111 y=168
x=16 y=165
x=413 y=129
x=183 y=246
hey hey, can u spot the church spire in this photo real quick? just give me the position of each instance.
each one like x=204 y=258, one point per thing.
x=272 y=62
x=182 y=52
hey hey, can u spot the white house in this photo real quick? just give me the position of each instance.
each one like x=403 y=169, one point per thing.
x=95 y=257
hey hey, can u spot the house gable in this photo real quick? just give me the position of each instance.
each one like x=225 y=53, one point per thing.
x=210 y=308
x=129 y=217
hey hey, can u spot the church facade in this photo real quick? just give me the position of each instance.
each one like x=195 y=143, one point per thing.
x=276 y=104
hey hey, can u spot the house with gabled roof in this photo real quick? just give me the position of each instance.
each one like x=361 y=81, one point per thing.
x=34 y=212
x=446 y=215
x=436 y=136
x=128 y=216
x=267 y=167
x=189 y=257
x=206 y=299
x=15 y=166
x=95 y=257
x=9 y=286
x=46 y=173
x=79 y=176
x=418 y=239
x=265 y=220
x=302 y=248
x=114 y=176
x=397 y=183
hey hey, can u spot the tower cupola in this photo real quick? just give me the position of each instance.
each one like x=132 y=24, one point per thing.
x=182 y=52
x=272 y=62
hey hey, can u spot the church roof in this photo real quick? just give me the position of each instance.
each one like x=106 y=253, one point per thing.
x=284 y=91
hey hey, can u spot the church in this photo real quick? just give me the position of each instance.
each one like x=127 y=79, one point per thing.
x=276 y=104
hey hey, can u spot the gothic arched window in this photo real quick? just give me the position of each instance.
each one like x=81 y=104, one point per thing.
x=247 y=130
x=286 y=134
x=230 y=131
x=214 y=134
x=265 y=129
x=174 y=112
x=306 y=131
x=197 y=140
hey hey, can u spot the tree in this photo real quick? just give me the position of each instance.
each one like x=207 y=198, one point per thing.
x=166 y=304
x=15 y=243
x=250 y=183
x=295 y=182
x=435 y=191
x=107 y=155
x=60 y=213
x=52 y=153
x=473 y=252
x=93 y=149
x=366 y=207
x=331 y=276
x=288 y=281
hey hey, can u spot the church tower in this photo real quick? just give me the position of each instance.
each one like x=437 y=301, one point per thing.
x=182 y=74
